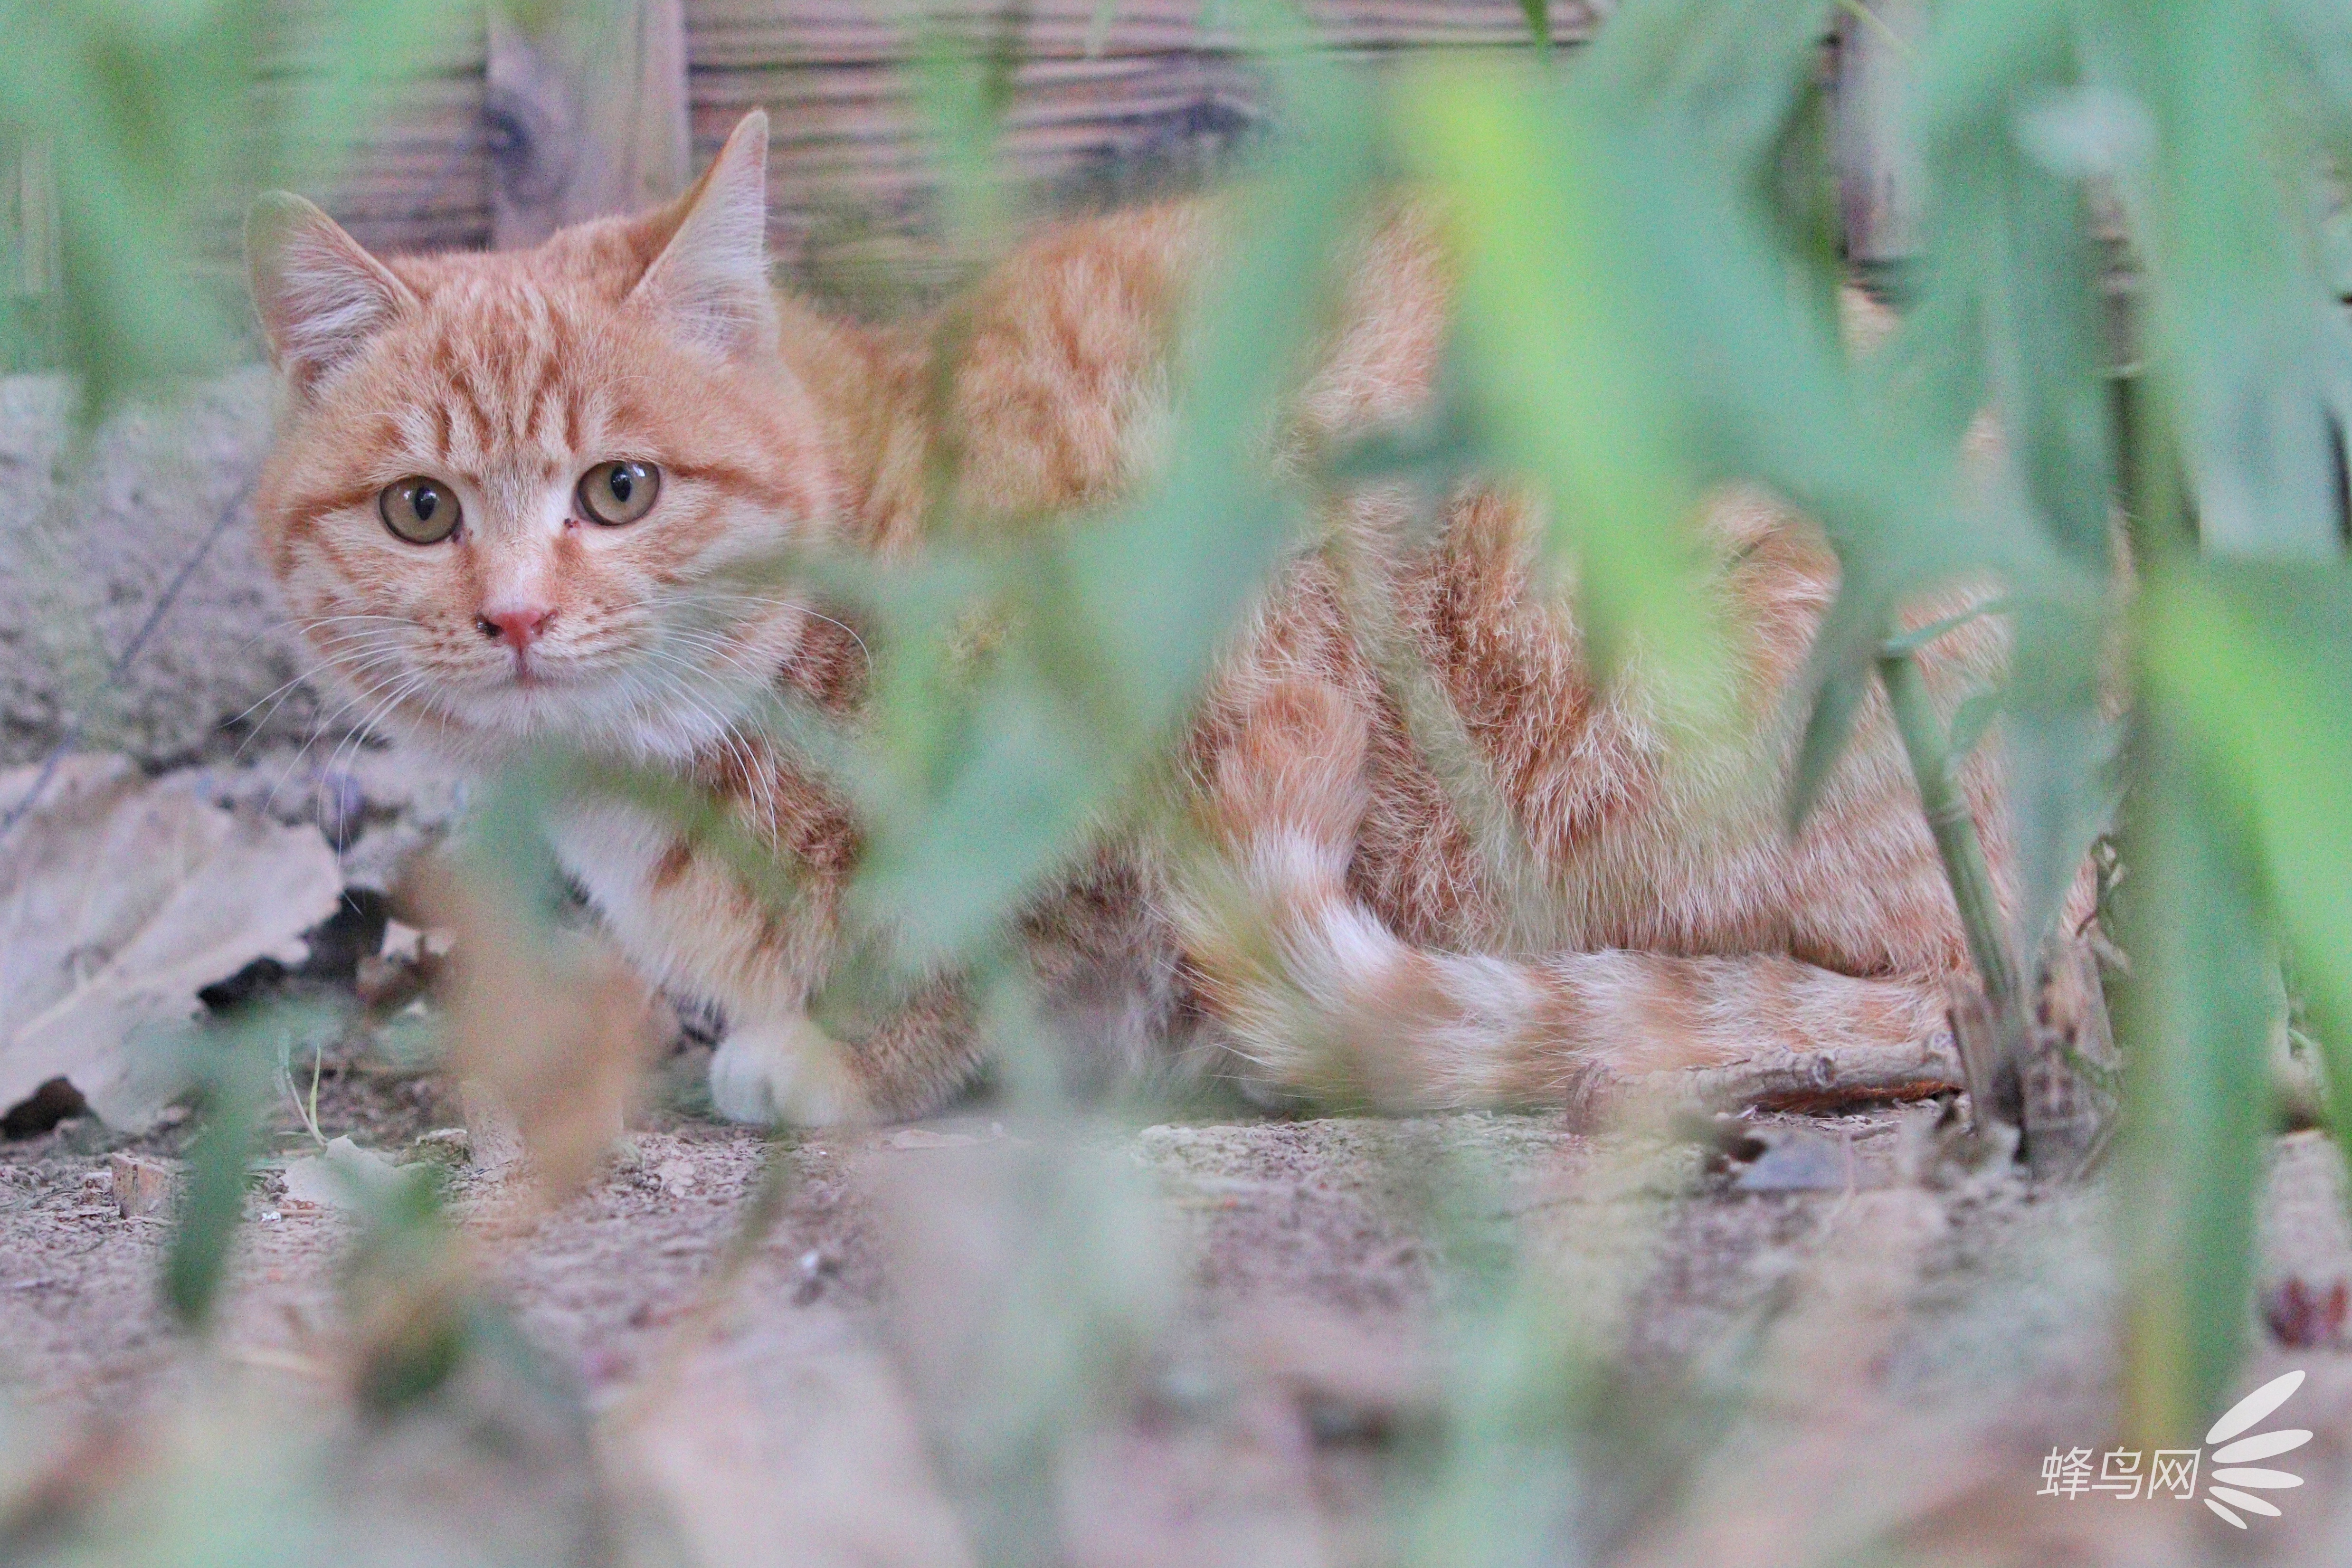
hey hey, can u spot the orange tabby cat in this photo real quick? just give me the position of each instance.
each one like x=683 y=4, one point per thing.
x=513 y=493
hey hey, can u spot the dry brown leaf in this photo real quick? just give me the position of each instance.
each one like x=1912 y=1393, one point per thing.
x=119 y=901
x=340 y=1176
x=555 y=1023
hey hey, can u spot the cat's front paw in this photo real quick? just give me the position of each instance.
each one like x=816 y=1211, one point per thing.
x=784 y=1071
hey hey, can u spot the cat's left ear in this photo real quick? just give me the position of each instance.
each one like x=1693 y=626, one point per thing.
x=710 y=280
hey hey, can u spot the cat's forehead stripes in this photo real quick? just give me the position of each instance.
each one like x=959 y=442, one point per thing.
x=506 y=378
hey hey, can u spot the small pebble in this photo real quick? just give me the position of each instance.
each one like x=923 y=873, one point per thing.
x=813 y=1269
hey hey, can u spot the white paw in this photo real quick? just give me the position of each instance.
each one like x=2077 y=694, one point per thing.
x=784 y=1070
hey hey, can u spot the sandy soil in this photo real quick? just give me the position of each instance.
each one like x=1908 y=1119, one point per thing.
x=1909 y=1353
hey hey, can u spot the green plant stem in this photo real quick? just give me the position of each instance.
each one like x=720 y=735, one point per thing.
x=1955 y=827
x=2149 y=482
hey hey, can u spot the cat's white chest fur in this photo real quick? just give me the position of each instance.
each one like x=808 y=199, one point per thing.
x=689 y=926
x=613 y=851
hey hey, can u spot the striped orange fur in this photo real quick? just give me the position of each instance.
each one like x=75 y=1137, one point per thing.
x=1345 y=936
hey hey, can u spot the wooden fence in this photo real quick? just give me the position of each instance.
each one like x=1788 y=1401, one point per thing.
x=495 y=136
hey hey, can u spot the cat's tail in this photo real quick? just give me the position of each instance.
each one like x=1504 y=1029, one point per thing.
x=1315 y=996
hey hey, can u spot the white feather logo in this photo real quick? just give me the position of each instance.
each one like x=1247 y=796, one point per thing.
x=2231 y=1464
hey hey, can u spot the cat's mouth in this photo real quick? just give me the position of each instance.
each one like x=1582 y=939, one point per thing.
x=526 y=672
x=529 y=698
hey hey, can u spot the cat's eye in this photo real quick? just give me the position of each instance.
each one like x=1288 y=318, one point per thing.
x=421 y=510
x=615 y=493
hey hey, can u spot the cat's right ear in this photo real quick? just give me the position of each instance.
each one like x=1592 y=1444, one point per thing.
x=320 y=294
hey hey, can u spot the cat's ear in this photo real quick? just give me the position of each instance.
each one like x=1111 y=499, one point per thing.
x=710 y=281
x=321 y=295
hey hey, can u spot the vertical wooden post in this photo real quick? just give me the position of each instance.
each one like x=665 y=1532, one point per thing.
x=1877 y=164
x=588 y=113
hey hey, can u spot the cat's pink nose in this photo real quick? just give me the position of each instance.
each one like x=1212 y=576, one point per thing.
x=518 y=628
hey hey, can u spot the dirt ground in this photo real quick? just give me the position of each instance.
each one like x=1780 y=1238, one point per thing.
x=1819 y=1339
x=1910 y=1354
x=1812 y=1351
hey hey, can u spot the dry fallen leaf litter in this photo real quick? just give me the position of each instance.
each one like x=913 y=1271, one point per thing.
x=120 y=899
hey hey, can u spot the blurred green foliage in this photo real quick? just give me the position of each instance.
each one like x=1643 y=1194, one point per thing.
x=1648 y=311
x=131 y=139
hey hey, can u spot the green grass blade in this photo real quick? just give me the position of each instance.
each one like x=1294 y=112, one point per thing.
x=2197 y=1020
x=1555 y=354
x=2235 y=303
x=1538 y=15
x=233 y=1065
x=984 y=772
x=2257 y=663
